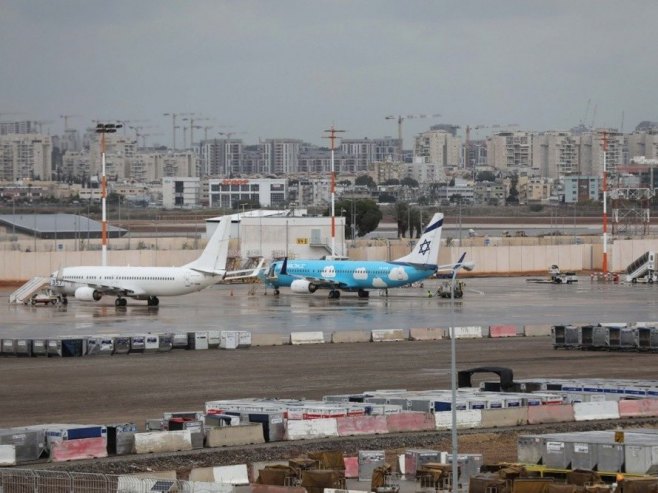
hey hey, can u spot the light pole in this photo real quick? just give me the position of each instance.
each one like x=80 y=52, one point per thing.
x=102 y=129
x=332 y=138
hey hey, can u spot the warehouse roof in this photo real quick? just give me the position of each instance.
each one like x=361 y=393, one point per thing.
x=57 y=225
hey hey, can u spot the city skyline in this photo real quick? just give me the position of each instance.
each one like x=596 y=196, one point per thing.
x=291 y=69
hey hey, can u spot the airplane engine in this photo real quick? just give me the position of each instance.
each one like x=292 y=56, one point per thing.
x=302 y=286
x=86 y=293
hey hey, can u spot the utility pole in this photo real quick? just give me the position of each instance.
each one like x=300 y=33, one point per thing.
x=332 y=139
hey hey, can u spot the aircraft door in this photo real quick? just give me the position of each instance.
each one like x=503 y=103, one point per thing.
x=188 y=279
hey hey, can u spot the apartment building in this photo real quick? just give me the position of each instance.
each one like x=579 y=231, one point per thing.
x=230 y=193
x=181 y=192
x=25 y=156
x=555 y=154
x=510 y=150
x=438 y=147
x=578 y=188
x=643 y=144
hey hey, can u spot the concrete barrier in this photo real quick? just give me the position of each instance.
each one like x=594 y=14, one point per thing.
x=550 y=414
x=388 y=335
x=430 y=334
x=470 y=418
x=163 y=441
x=513 y=416
x=235 y=435
x=7 y=455
x=410 y=421
x=502 y=331
x=306 y=338
x=334 y=490
x=361 y=425
x=351 y=467
x=473 y=332
x=83 y=448
x=269 y=339
x=301 y=429
x=588 y=411
x=236 y=475
x=638 y=408
x=537 y=330
x=350 y=336
x=209 y=487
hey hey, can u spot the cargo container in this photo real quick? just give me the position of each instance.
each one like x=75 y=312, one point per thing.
x=414 y=459
x=368 y=461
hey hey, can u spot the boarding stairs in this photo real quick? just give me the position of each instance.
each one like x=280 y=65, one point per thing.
x=26 y=291
x=643 y=267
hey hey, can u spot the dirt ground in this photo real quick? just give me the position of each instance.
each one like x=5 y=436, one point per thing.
x=133 y=388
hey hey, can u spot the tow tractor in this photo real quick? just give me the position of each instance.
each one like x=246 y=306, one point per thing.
x=556 y=277
x=445 y=289
x=46 y=297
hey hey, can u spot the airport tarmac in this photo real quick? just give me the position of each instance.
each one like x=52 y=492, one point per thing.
x=487 y=301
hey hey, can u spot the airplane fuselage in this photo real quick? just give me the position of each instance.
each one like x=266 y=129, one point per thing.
x=349 y=275
x=133 y=282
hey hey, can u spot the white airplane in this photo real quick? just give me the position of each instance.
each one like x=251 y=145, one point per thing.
x=91 y=283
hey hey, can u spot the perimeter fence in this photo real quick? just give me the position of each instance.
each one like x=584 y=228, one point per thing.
x=43 y=481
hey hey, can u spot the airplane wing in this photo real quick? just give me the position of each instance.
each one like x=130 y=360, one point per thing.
x=126 y=290
x=460 y=264
x=244 y=273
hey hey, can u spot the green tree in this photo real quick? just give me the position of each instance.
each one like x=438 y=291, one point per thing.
x=363 y=214
x=408 y=220
x=513 y=197
x=387 y=198
x=391 y=181
x=407 y=181
x=485 y=176
x=365 y=181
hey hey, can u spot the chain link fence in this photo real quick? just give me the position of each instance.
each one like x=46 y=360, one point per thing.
x=42 y=481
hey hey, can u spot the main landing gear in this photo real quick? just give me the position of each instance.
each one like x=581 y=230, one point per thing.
x=152 y=301
x=334 y=294
x=120 y=302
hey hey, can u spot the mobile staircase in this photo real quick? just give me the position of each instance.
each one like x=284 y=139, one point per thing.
x=642 y=269
x=25 y=292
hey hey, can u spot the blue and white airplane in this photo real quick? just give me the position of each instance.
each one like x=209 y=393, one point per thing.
x=307 y=276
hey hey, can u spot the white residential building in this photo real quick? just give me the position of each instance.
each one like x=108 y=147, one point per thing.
x=25 y=156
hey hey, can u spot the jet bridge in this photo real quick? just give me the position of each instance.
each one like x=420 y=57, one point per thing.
x=642 y=268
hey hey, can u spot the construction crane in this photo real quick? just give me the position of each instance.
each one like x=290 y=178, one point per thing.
x=66 y=120
x=41 y=123
x=467 y=142
x=193 y=126
x=400 y=119
x=144 y=136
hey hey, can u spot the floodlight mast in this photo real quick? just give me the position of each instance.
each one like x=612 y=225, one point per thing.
x=332 y=139
x=102 y=129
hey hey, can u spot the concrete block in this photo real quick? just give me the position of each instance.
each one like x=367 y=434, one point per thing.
x=83 y=448
x=588 y=411
x=494 y=418
x=163 y=441
x=550 y=414
x=430 y=334
x=235 y=435
x=361 y=425
x=502 y=331
x=473 y=332
x=388 y=335
x=470 y=418
x=350 y=336
x=297 y=338
x=7 y=455
x=269 y=339
x=301 y=429
x=410 y=421
x=638 y=408
x=537 y=330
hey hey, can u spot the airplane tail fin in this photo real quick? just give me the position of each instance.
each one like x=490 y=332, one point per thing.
x=213 y=257
x=426 y=251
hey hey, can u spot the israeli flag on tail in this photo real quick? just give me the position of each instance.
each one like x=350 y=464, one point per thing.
x=426 y=251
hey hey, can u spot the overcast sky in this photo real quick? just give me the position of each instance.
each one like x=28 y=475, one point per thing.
x=292 y=68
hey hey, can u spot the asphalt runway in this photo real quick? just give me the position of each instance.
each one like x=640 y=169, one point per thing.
x=496 y=300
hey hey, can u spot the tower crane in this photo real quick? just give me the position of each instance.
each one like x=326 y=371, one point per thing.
x=41 y=123
x=66 y=120
x=401 y=118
